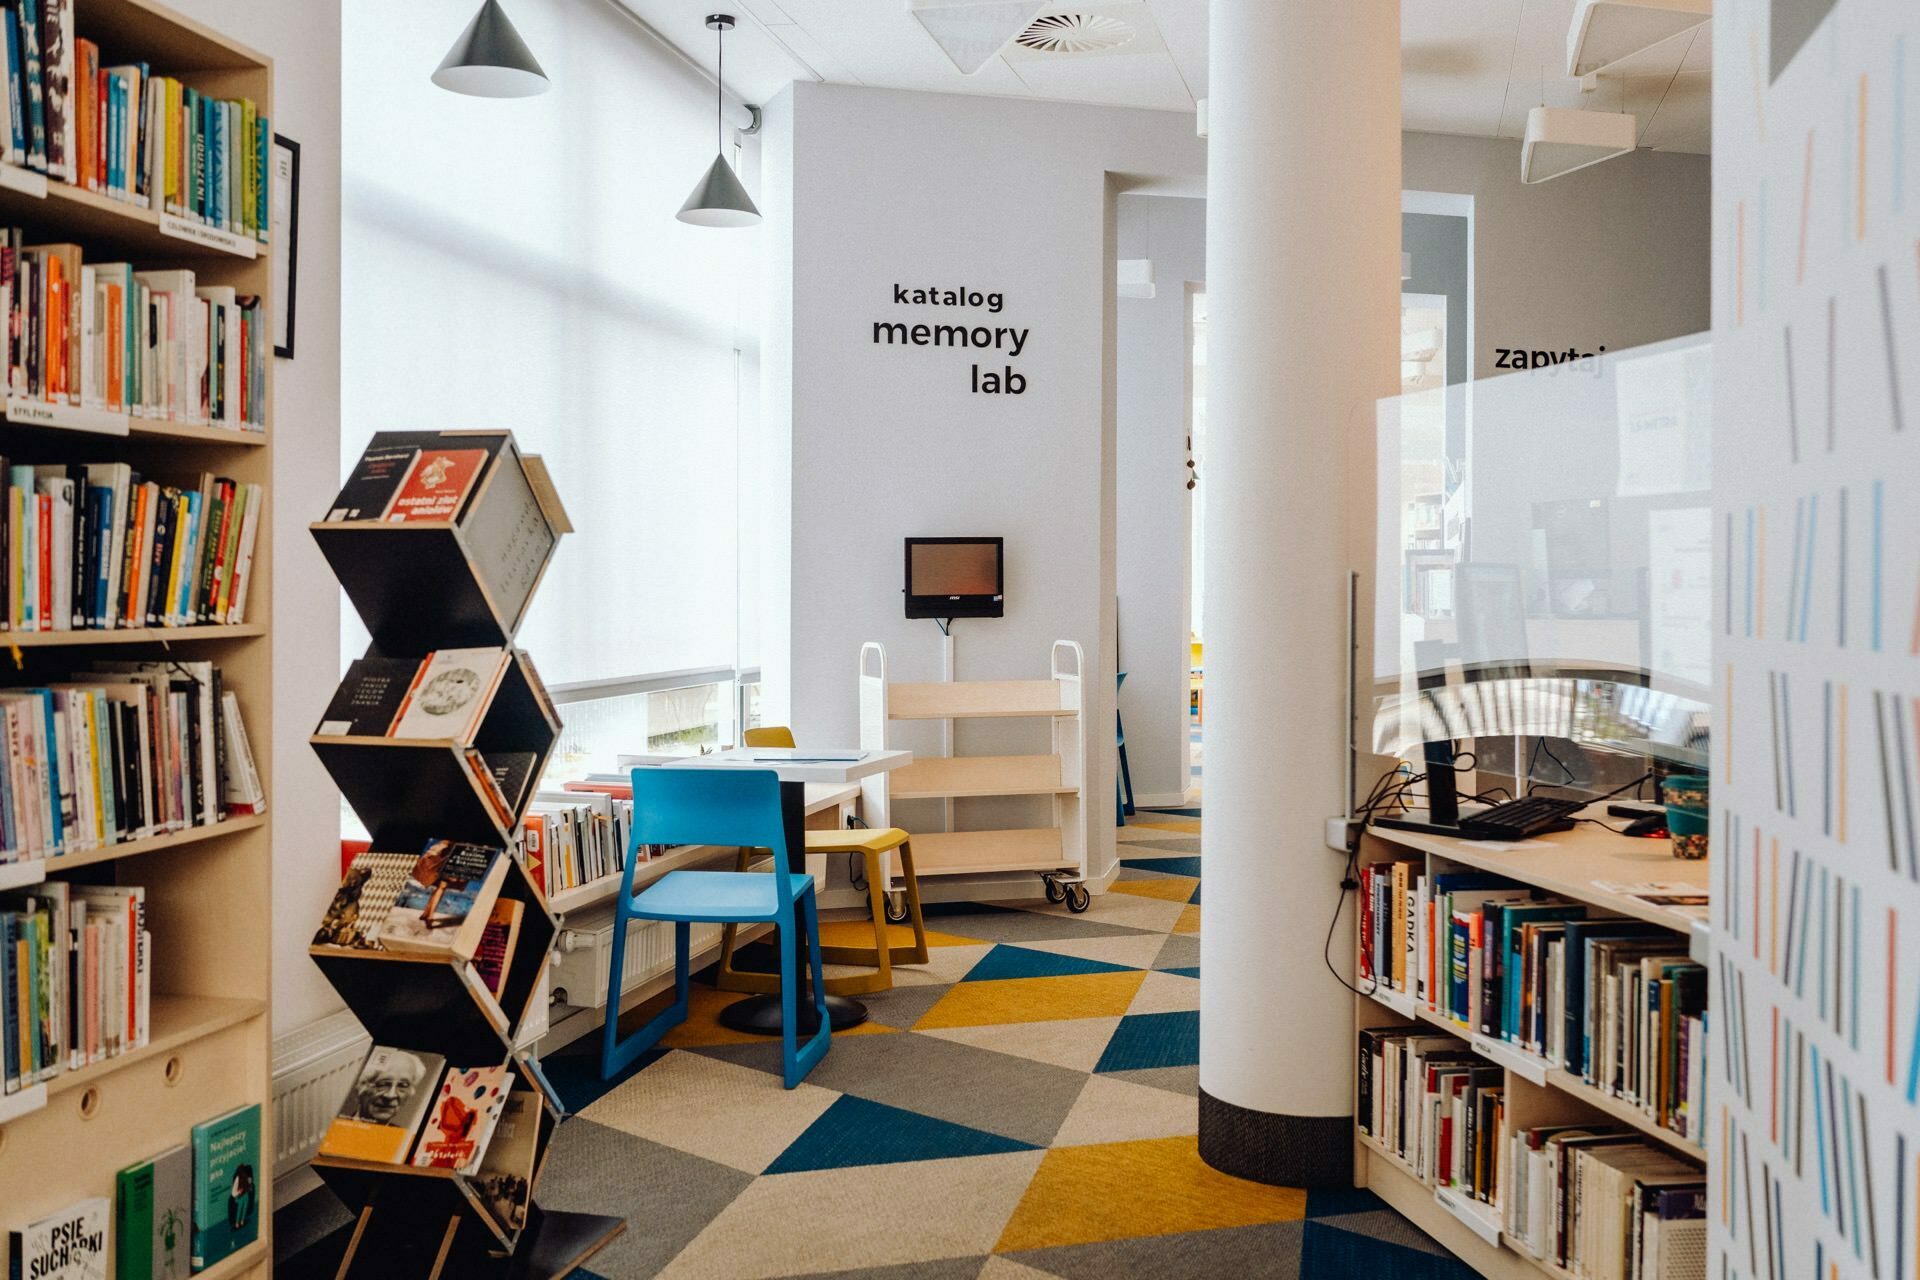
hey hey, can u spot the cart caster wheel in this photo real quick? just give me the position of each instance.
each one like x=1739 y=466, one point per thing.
x=1056 y=892
x=896 y=908
x=1078 y=899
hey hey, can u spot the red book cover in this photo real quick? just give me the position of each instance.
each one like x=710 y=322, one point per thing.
x=533 y=844
x=437 y=484
x=618 y=790
x=43 y=515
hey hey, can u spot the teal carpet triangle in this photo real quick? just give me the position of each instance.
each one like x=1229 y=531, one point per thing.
x=1021 y=962
x=854 y=1131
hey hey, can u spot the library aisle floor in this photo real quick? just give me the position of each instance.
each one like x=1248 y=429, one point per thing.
x=1022 y=1106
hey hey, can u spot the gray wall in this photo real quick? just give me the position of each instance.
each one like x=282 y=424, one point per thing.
x=1153 y=536
x=1617 y=255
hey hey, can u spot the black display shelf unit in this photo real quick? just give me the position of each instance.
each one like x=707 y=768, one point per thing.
x=419 y=587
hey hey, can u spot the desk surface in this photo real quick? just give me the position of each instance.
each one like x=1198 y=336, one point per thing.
x=1569 y=863
x=803 y=766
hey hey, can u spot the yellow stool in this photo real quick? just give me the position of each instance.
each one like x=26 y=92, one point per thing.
x=873 y=846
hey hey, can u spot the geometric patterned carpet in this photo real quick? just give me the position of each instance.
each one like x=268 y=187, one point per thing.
x=1022 y=1106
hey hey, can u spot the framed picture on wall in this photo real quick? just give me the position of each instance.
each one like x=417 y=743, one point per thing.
x=284 y=233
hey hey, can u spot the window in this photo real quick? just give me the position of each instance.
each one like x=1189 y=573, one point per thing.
x=518 y=264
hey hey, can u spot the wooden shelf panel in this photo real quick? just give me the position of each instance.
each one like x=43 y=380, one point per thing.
x=975 y=700
x=174 y=1022
x=939 y=777
x=131 y=635
x=1567 y=863
x=954 y=853
x=1393 y=1181
x=133 y=848
x=1506 y=1055
x=160 y=430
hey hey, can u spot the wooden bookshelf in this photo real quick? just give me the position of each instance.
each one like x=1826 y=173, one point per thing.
x=1566 y=865
x=209 y=890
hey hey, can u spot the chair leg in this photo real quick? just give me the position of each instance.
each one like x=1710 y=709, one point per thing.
x=815 y=1049
x=617 y=1054
x=877 y=891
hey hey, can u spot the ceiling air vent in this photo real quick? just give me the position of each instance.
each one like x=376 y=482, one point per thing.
x=1069 y=33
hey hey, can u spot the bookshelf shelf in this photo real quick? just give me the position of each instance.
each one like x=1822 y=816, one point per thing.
x=209 y=1040
x=941 y=777
x=23 y=1103
x=40 y=868
x=606 y=888
x=177 y=1021
x=132 y=635
x=1567 y=865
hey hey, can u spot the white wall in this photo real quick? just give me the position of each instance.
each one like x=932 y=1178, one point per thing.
x=875 y=188
x=1154 y=527
x=304 y=42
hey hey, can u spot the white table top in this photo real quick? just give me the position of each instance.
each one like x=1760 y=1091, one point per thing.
x=848 y=764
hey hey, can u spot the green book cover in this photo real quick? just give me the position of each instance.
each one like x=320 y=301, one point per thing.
x=152 y=1208
x=226 y=1185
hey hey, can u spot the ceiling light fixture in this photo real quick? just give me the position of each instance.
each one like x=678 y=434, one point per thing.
x=970 y=32
x=1560 y=140
x=1604 y=32
x=490 y=60
x=719 y=200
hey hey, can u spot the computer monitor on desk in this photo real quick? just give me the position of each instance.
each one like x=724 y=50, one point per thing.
x=1668 y=729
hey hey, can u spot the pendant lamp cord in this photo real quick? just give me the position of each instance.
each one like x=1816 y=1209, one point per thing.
x=720 y=93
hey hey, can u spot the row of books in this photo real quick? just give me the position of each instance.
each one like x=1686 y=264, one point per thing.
x=1604 y=1205
x=408 y=1107
x=149 y=140
x=1435 y=1105
x=97 y=547
x=124 y=752
x=443 y=901
x=579 y=835
x=75 y=978
x=154 y=344
x=184 y=1210
x=1615 y=1001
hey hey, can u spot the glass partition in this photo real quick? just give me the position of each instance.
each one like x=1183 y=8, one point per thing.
x=1544 y=557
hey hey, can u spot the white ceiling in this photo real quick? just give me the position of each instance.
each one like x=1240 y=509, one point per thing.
x=1470 y=66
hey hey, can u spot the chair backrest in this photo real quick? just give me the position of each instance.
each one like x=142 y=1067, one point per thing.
x=773 y=735
x=718 y=805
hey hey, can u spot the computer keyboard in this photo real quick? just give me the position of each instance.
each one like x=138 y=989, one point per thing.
x=1522 y=819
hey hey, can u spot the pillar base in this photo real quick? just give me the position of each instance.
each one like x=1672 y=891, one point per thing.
x=1279 y=1150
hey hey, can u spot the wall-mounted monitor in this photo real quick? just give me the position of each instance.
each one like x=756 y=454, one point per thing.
x=956 y=577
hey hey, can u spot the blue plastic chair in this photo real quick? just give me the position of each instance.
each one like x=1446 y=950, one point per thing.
x=717 y=806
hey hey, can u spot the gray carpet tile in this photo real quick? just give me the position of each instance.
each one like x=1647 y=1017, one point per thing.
x=668 y=1196
x=1184 y=1080
x=1181 y=951
x=1270 y=1252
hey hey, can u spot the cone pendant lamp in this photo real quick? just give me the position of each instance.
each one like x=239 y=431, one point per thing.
x=719 y=200
x=490 y=60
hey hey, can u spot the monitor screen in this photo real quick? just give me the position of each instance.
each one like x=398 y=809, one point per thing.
x=954 y=577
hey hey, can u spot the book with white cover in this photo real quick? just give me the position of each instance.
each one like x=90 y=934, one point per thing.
x=450 y=695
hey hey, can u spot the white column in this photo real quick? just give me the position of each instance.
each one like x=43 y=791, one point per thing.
x=1303 y=256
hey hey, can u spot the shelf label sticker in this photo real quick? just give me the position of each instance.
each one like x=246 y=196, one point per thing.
x=212 y=237
x=67 y=417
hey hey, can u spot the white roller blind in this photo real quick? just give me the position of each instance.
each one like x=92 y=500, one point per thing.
x=517 y=264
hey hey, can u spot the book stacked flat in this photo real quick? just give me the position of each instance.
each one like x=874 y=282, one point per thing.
x=75 y=978
x=98 y=547
x=126 y=132
x=153 y=344
x=128 y=751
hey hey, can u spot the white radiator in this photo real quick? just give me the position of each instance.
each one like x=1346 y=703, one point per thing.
x=586 y=952
x=312 y=1070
